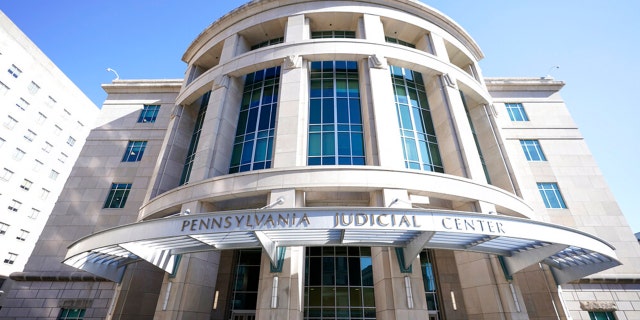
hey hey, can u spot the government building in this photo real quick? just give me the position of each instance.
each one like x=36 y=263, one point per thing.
x=333 y=160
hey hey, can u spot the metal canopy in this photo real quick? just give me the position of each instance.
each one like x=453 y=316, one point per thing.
x=572 y=254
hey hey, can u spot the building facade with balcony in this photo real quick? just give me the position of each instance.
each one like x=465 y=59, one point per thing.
x=333 y=160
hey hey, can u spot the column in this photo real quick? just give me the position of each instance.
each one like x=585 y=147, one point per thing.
x=290 y=141
x=486 y=291
x=399 y=292
x=189 y=293
x=286 y=302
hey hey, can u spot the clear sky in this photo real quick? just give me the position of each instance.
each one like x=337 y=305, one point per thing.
x=595 y=44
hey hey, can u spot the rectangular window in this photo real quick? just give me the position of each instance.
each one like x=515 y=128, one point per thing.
x=71 y=141
x=37 y=165
x=71 y=314
x=41 y=118
x=253 y=143
x=10 y=122
x=22 y=235
x=14 y=205
x=267 y=43
x=6 y=174
x=134 y=151
x=14 y=71
x=34 y=213
x=53 y=175
x=516 y=112
x=51 y=102
x=18 y=154
x=11 y=258
x=3 y=228
x=66 y=114
x=3 y=88
x=118 y=195
x=47 y=147
x=30 y=135
x=33 y=88
x=22 y=104
x=63 y=157
x=2 y=141
x=333 y=34
x=195 y=137
x=601 y=315
x=149 y=113
x=532 y=150
x=26 y=185
x=44 y=194
x=551 y=195
x=57 y=130
x=398 y=41
x=335 y=118
x=418 y=134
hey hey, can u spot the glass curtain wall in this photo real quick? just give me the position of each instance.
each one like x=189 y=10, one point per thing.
x=418 y=135
x=338 y=283
x=253 y=143
x=335 y=118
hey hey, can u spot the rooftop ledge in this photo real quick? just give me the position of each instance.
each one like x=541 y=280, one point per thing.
x=523 y=84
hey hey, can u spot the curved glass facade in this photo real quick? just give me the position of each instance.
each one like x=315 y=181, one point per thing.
x=419 y=141
x=253 y=143
x=335 y=118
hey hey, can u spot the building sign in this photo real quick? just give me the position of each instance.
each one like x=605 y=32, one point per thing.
x=390 y=219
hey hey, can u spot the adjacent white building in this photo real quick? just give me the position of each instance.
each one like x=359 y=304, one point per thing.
x=44 y=121
x=333 y=160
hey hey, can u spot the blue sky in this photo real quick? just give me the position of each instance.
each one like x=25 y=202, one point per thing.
x=593 y=42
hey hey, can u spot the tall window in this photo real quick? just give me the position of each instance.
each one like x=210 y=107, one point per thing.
x=71 y=314
x=532 y=150
x=516 y=112
x=335 y=118
x=551 y=195
x=134 y=151
x=245 y=282
x=475 y=138
x=118 y=195
x=429 y=278
x=41 y=118
x=253 y=144
x=419 y=142
x=53 y=175
x=149 y=113
x=195 y=137
x=338 y=283
x=333 y=34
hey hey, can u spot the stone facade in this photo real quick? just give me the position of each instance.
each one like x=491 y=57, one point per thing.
x=240 y=133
